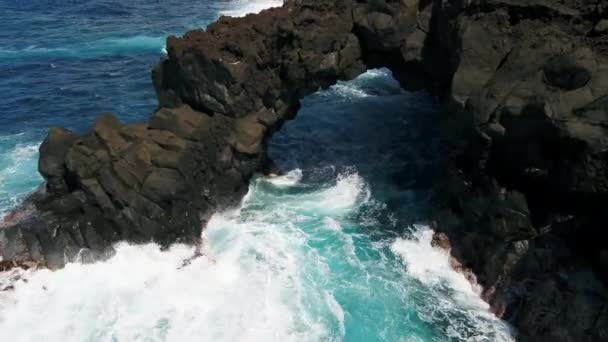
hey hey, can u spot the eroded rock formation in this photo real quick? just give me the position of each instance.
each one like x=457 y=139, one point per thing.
x=524 y=84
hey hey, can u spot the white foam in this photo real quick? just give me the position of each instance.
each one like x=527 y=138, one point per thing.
x=243 y=7
x=332 y=224
x=10 y=137
x=255 y=290
x=335 y=309
x=349 y=91
x=349 y=189
x=356 y=89
x=19 y=160
x=428 y=264
x=25 y=151
x=375 y=73
x=291 y=178
x=431 y=266
x=18 y=173
x=251 y=293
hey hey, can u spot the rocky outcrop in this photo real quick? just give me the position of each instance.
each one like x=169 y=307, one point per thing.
x=524 y=84
x=521 y=199
x=221 y=93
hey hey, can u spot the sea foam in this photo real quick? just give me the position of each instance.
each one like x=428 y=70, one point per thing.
x=248 y=289
x=430 y=265
x=18 y=170
x=241 y=8
x=291 y=178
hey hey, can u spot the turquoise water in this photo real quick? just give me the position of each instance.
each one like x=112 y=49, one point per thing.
x=335 y=250
x=18 y=169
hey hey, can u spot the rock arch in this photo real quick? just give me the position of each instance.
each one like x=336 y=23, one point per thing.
x=222 y=91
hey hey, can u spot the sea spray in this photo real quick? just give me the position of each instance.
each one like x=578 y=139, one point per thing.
x=18 y=170
x=272 y=274
x=289 y=179
x=241 y=8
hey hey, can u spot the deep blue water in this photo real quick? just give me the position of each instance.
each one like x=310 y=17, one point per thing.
x=336 y=250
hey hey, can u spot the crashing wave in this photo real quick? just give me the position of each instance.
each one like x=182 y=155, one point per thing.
x=241 y=8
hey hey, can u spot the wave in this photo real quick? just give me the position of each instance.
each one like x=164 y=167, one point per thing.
x=99 y=48
x=143 y=294
x=18 y=170
x=430 y=265
x=349 y=189
x=274 y=271
x=344 y=194
x=250 y=289
x=289 y=179
x=257 y=284
x=373 y=82
x=336 y=310
x=243 y=7
x=332 y=224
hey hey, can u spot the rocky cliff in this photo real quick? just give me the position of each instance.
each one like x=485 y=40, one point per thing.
x=524 y=85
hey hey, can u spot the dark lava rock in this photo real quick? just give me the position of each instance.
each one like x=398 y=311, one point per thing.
x=521 y=202
x=565 y=72
x=51 y=164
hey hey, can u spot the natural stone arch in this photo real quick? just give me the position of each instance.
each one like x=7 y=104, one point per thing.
x=222 y=92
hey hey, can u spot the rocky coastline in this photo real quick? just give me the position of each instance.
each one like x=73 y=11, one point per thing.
x=519 y=203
